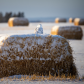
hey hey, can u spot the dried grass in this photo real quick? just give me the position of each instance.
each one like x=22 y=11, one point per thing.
x=69 y=32
x=18 y=22
x=26 y=56
x=57 y=20
x=35 y=77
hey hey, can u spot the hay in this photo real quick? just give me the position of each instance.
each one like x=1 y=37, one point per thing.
x=57 y=20
x=35 y=54
x=78 y=21
x=71 y=20
x=69 y=32
x=16 y=21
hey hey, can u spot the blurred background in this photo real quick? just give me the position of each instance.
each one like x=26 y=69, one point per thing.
x=41 y=10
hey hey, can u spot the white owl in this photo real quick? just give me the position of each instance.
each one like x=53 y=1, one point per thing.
x=39 y=29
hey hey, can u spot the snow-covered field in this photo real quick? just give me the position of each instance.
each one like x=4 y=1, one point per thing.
x=41 y=82
x=77 y=46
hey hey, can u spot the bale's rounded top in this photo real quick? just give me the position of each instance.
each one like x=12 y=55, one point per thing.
x=77 y=19
x=57 y=18
x=4 y=37
x=71 y=18
x=63 y=28
x=12 y=18
x=17 y=18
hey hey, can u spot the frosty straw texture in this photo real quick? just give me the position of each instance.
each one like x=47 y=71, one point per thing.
x=36 y=54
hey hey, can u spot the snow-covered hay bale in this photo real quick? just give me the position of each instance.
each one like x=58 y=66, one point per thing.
x=71 y=20
x=78 y=21
x=69 y=32
x=57 y=20
x=16 y=21
x=35 y=54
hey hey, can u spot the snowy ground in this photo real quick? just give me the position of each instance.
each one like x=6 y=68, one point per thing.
x=77 y=46
x=41 y=82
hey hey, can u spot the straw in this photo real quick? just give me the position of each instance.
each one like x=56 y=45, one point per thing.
x=16 y=21
x=36 y=54
x=69 y=32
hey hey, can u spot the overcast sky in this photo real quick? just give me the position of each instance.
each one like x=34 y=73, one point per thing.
x=44 y=8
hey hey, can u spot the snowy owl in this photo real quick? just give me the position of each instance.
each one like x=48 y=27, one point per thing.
x=39 y=29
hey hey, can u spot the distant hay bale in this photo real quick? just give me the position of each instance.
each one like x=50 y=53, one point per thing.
x=71 y=20
x=36 y=54
x=69 y=32
x=16 y=21
x=78 y=21
x=57 y=20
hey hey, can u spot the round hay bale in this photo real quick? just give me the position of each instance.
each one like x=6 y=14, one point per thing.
x=71 y=20
x=78 y=21
x=57 y=20
x=69 y=32
x=16 y=21
x=36 y=54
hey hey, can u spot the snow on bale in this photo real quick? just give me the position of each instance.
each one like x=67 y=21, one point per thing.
x=69 y=32
x=71 y=20
x=57 y=20
x=18 y=21
x=78 y=21
x=36 y=54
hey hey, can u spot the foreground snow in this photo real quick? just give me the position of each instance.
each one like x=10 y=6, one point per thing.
x=25 y=79
x=41 y=82
x=7 y=80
